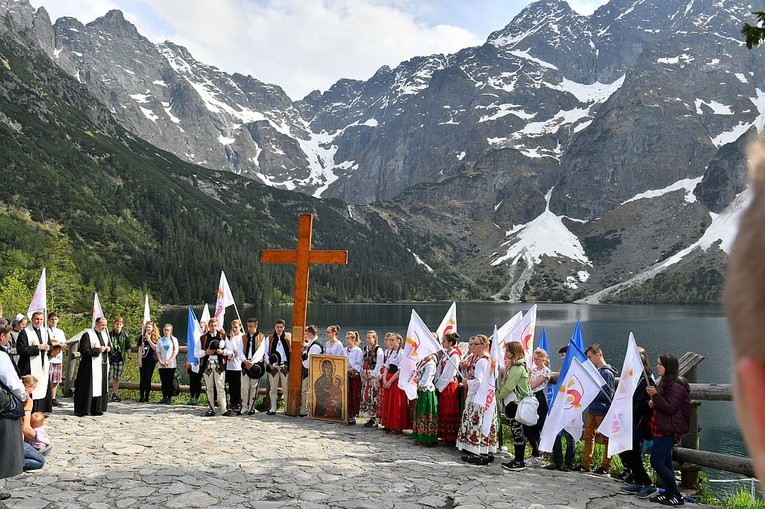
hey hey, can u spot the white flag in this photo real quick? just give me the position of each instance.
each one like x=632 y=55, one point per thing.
x=419 y=344
x=617 y=424
x=449 y=323
x=146 y=312
x=225 y=299
x=97 y=311
x=524 y=333
x=205 y=314
x=487 y=391
x=39 y=299
x=577 y=391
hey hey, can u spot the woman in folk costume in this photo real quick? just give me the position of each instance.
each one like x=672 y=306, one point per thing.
x=355 y=366
x=480 y=447
x=383 y=400
x=396 y=418
x=425 y=426
x=374 y=361
x=515 y=387
x=147 y=359
x=447 y=387
x=90 y=386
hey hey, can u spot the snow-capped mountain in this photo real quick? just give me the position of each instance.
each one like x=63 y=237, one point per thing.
x=600 y=125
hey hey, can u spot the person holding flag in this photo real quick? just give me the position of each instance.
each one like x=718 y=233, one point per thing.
x=147 y=359
x=447 y=386
x=194 y=332
x=632 y=458
x=596 y=412
x=515 y=387
x=479 y=379
x=425 y=425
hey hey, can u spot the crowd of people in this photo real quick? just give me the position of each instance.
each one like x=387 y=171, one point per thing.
x=447 y=410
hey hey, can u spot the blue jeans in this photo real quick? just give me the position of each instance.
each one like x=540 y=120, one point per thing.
x=661 y=461
x=558 y=449
x=32 y=458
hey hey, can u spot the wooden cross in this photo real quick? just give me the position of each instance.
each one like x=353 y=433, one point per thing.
x=303 y=257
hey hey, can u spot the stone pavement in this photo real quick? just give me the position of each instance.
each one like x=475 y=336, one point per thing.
x=148 y=455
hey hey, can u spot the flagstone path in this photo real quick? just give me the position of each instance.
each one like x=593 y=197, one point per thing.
x=152 y=456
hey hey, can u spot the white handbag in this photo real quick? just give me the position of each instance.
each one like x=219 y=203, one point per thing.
x=527 y=411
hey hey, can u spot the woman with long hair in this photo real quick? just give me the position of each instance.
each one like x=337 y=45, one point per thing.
x=671 y=404
x=370 y=379
x=479 y=447
x=515 y=387
x=447 y=386
x=355 y=365
x=147 y=359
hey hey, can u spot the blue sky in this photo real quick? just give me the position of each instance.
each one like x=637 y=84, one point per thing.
x=303 y=45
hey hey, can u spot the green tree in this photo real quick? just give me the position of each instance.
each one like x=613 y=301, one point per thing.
x=754 y=34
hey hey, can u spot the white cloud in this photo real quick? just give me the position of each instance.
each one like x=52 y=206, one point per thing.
x=302 y=45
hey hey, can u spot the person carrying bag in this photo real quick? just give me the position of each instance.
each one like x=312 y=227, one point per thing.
x=515 y=389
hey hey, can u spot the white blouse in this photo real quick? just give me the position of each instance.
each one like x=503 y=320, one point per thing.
x=448 y=370
x=334 y=349
x=236 y=344
x=355 y=358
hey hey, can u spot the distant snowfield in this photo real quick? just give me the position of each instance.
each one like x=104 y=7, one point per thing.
x=544 y=236
x=687 y=184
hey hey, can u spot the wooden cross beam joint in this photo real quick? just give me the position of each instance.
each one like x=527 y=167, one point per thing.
x=303 y=257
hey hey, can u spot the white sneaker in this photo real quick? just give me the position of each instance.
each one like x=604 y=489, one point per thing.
x=535 y=462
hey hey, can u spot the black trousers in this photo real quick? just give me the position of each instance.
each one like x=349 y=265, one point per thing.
x=633 y=459
x=234 y=383
x=195 y=384
x=166 y=376
x=146 y=372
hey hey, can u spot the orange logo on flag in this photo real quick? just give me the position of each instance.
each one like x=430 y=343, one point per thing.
x=574 y=393
x=415 y=345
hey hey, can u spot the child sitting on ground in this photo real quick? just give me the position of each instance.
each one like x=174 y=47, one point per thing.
x=41 y=441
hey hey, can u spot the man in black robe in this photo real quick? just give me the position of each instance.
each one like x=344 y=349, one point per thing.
x=32 y=347
x=94 y=355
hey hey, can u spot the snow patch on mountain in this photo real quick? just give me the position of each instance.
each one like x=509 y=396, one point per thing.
x=687 y=184
x=716 y=107
x=546 y=235
x=595 y=93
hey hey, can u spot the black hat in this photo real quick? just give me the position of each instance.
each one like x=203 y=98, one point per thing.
x=213 y=345
x=275 y=358
x=256 y=371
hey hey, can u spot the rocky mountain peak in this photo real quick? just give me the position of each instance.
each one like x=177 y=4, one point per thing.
x=114 y=22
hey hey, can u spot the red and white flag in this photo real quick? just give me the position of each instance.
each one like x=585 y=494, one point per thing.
x=146 y=311
x=502 y=336
x=581 y=385
x=617 y=424
x=449 y=323
x=524 y=333
x=419 y=344
x=225 y=299
x=97 y=311
x=39 y=299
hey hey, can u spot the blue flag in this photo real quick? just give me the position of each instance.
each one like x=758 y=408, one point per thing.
x=575 y=350
x=193 y=333
x=544 y=346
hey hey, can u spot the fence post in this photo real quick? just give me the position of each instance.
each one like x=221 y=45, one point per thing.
x=689 y=477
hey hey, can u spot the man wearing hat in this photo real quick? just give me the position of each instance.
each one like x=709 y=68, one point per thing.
x=32 y=346
x=252 y=365
x=213 y=366
x=278 y=346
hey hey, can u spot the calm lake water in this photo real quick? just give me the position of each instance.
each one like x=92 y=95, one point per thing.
x=658 y=329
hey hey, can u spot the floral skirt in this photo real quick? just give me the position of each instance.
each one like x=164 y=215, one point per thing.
x=470 y=436
x=370 y=397
x=449 y=404
x=425 y=427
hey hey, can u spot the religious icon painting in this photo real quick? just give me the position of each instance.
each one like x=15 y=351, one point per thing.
x=328 y=379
